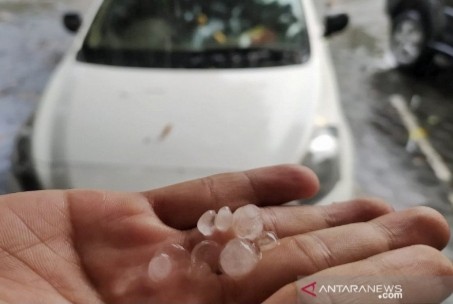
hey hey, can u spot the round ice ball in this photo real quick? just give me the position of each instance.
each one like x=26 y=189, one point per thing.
x=239 y=257
x=247 y=222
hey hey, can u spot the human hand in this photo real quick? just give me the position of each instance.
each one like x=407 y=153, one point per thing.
x=94 y=247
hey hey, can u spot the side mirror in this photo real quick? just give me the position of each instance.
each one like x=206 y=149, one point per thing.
x=72 y=22
x=336 y=23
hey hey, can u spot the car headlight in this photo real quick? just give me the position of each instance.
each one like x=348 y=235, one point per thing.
x=323 y=157
x=22 y=163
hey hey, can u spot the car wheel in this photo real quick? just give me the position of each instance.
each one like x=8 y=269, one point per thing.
x=409 y=41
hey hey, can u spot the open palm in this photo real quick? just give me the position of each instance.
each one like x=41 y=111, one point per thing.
x=94 y=246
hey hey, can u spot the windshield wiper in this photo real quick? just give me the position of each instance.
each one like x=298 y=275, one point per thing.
x=245 y=57
x=219 y=58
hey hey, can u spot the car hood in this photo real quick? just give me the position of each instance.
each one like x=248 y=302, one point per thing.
x=150 y=119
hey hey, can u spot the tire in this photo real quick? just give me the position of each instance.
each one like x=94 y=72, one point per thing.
x=410 y=41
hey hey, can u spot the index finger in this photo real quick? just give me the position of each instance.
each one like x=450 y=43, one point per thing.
x=181 y=205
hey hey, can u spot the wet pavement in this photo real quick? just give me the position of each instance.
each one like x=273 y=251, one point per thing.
x=32 y=41
x=387 y=166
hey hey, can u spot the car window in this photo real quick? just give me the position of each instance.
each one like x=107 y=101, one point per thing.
x=197 y=34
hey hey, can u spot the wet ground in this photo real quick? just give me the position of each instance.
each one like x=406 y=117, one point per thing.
x=387 y=164
x=32 y=41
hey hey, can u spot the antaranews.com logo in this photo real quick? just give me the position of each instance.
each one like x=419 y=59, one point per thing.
x=381 y=291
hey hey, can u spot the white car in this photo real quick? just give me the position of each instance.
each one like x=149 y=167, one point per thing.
x=158 y=92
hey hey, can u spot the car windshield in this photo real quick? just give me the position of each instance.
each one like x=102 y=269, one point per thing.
x=197 y=34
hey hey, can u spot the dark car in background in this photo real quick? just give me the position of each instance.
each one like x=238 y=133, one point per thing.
x=421 y=29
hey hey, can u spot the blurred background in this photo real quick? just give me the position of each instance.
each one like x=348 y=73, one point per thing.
x=388 y=163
